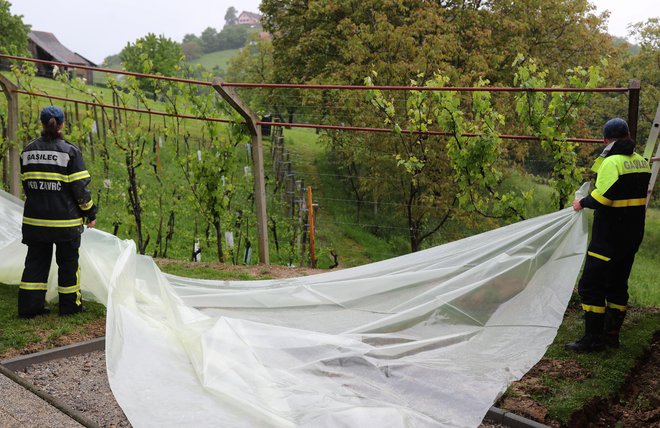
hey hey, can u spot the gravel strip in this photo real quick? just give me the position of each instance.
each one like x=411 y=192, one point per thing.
x=81 y=382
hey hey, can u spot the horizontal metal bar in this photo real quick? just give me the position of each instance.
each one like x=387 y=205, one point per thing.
x=418 y=88
x=111 y=106
x=441 y=133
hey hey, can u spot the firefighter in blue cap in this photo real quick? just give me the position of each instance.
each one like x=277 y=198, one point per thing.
x=57 y=204
x=619 y=204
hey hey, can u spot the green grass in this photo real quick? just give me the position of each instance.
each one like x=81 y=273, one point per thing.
x=206 y=272
x=608 y=369
x=543 y=195
x=218 y=59
x=643 y=283
x=18 y=333
x=337 y=228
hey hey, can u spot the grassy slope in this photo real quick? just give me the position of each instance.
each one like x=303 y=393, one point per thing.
x=335 y=222
x=218 y=59
x=114 y=209
x=643 y=282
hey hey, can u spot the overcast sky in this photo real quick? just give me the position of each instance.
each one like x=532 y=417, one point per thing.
x=96 y=29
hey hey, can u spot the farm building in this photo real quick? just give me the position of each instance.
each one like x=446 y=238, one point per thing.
x=249 y=18
x=44 y=45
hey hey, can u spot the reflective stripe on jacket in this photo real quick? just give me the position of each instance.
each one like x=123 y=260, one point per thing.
x=55 y=183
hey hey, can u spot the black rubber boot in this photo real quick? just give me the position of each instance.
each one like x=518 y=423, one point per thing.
x=592 y=341
x=42 y=311
x=613 y=322
x=31 y=303
x=71 y=304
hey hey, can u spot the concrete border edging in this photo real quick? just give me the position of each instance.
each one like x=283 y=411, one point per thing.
x=23 y=361
x=511 y=420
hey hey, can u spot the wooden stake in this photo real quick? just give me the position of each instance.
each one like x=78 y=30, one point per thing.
x=310 y=216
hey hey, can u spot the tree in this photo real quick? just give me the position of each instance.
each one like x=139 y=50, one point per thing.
x=112 y=61
x=192 y=49
x=232 y=37
x=255 y=64
x=550 y=117
x=14 y=34
x=153 y=55
x=402 y=41
x=209 y=40
x=230 y=16
x=343 y=41
x=190 y=38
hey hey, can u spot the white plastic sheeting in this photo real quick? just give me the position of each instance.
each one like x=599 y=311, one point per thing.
x=427 y=339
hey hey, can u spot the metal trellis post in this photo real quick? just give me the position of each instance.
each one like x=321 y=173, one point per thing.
x=258 y=158
x=633 y=106
x=12 y=127
x=648 y=153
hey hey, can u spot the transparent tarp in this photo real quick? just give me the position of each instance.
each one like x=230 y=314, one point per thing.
x=427 y=339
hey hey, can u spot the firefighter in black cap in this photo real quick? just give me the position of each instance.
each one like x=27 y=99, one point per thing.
x=619 y=204
x=57 y=205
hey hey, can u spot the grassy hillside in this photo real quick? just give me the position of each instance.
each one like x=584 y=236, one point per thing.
x=161 y=194
x=219 y=59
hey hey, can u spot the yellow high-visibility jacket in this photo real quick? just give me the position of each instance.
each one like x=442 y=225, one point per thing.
x=619 y=199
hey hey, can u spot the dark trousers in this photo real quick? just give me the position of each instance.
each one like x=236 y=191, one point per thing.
x=605 y=282
x=32 y=290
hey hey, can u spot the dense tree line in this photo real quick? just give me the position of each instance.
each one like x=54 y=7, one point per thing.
x=13 y=37
x=211 y=40
x=462 y=43
x=231 y=36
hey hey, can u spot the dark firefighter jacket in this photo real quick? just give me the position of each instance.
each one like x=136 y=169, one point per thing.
x=55 y=184
x=619 y=200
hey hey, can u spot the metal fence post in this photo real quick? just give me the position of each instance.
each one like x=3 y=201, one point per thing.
x=258 y=158
x=633 y=106
x=12 y=127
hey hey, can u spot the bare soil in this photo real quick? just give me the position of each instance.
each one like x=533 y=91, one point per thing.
x=636 y=405
x=638 y=402
x=256 y=271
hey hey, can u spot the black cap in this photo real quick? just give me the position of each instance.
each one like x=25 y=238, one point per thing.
x=51 y=112
x=616 y=128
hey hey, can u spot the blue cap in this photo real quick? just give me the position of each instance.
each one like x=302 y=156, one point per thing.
x=52 y=112
x=615 y=128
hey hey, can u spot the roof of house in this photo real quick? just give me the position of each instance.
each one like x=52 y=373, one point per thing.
x=49 y=43
x=250 y=15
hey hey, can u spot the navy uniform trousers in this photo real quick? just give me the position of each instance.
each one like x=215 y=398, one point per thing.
x=34 y=282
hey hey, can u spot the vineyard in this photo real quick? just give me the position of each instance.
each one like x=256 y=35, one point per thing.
x=172 y=162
